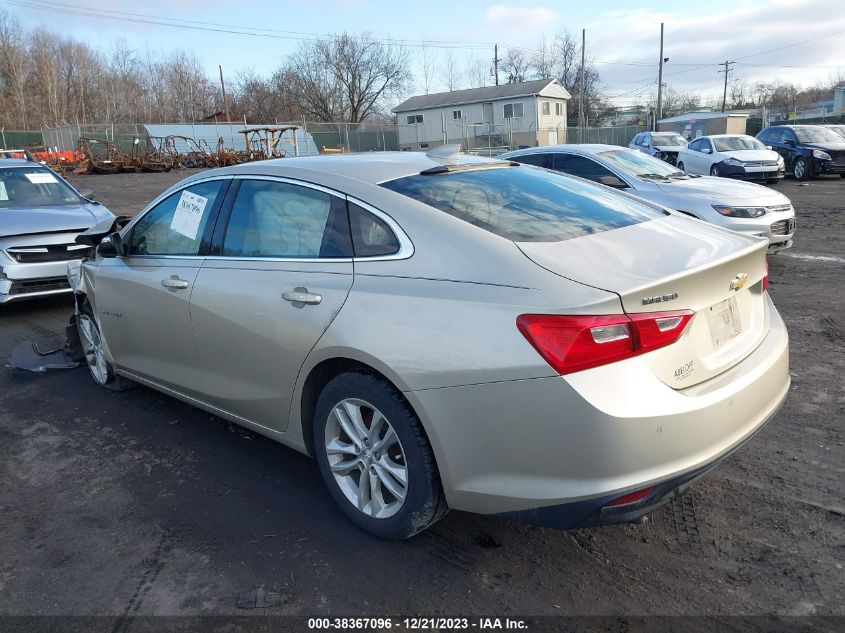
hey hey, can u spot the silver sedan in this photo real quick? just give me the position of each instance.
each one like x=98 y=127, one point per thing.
x=444 y=331
x=40 y=216
x=751 y=209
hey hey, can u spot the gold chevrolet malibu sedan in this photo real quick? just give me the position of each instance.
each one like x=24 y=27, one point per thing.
x=444 y=331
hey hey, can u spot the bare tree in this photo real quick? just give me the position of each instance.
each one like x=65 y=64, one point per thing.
x=13 y=70
x=427 y=68
x=450 y=72
x=515 y=65
x=477 y=72
x=347 y=78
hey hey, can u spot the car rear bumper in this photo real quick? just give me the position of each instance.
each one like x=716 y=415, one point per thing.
x=596 y=435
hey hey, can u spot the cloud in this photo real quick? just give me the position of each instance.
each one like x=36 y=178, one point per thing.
x=746 y=34
x=519 y=18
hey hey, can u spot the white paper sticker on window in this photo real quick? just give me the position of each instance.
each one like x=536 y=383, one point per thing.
x=186 y=220
x=4 y=196
x=41 y=178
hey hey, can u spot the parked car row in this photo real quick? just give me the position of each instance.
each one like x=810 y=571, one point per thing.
x=446 y=331
x=744 y=207
x=808 y=151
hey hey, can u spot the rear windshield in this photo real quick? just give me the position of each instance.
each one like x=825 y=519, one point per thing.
x=524 y=204
x=22 y=187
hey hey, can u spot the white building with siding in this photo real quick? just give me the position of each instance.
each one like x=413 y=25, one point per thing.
x=508 y=116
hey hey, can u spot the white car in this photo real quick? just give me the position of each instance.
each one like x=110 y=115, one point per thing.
x=731 y=156
x=739 y=206
x=662 y=145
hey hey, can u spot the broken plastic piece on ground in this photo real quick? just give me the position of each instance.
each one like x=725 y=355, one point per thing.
x=28 y=357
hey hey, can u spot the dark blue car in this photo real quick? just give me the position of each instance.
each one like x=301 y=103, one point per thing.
x=808 y=150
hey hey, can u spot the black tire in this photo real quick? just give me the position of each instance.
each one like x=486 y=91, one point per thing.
x=802 y=170
x=681 y=165
x=842 y=175
x=424 y=503
x=715 y=171
x=109 y=380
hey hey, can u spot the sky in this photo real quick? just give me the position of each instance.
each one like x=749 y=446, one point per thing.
x=622 y=37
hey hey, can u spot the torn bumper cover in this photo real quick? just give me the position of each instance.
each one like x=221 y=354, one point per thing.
x=27 y=356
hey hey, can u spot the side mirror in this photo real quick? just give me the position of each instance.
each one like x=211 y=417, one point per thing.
x=789 y=142
x=768 y=147
x=88 y=194
x=706 y=150
x=110 y=246
x=612 y=181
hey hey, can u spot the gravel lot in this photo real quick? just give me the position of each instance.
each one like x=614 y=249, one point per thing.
x=128 y=504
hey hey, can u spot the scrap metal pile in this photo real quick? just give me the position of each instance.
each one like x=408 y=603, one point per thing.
x=163 y=153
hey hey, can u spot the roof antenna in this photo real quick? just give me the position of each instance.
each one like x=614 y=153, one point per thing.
x=445 y=152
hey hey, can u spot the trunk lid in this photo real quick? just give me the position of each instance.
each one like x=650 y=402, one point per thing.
x=675 y=263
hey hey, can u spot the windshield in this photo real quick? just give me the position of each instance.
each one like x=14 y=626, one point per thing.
x=817 y=135
x=642 y=166
x=22 y=187
x=525 y=204
x=668 y=139
x=736 y=143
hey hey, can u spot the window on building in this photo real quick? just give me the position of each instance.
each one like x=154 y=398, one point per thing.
x=457 y=114
x=513 y=110
x=558 y=109
x=545 y=108
x=415 y=118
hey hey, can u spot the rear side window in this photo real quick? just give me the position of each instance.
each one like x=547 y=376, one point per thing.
x=276 y=219
x=525 y=205
x=538 y=160
x=580 y=166
x=371 y=236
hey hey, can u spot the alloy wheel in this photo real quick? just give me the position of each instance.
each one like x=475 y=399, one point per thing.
x=92 y=347
x=366 y=458
x=800 y=168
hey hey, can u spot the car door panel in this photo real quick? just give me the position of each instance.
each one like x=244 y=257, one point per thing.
x=252 y=341
x=280 y=270
x=143 y=296
x=147 y=325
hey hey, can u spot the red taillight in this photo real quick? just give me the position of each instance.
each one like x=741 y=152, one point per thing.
x=575 y=343
x=766 y=276
x=631 y=497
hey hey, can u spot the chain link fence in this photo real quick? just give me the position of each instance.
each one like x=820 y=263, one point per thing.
x=616 y=135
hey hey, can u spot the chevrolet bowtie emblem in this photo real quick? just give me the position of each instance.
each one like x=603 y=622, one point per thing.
x=739 y=281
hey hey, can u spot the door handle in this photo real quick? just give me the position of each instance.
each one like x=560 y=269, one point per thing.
x=174 y=283
x=301 y=295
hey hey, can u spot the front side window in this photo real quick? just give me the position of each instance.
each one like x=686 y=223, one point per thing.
x=523 y=204
x=775 y=135
x=177 y=224
x=22 y=187
x=281 y=220
x=695 y=145
x=512 y=110
x=789 y=135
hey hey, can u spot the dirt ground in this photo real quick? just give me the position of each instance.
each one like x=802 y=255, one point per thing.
x=130 y=504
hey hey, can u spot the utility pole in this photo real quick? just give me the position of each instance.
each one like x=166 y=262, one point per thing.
x=727 y=70
x=659 y=113
x=496 y=61
x=581 y=118
x=223 y=88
